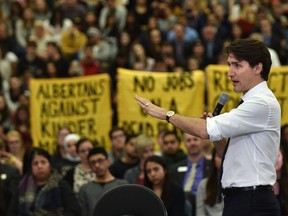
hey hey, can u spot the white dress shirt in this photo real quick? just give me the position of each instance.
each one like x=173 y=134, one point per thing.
x=254 y=131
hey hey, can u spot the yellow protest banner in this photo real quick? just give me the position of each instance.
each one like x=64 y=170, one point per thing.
x=82 y=104
x=183 y=93
x=218 y=82
x=278 y=83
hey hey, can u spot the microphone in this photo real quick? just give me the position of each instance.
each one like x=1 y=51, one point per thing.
x=221 y=102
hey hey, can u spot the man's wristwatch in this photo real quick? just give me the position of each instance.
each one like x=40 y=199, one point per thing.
x=169 y=114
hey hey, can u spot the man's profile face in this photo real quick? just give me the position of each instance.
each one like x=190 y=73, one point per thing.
x=243 y=76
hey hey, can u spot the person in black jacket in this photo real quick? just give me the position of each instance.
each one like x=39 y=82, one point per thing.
x=41 y=190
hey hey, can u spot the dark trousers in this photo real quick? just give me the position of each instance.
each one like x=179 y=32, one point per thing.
x=251 y=203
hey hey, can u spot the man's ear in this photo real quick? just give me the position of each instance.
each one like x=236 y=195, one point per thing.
x=258 y=68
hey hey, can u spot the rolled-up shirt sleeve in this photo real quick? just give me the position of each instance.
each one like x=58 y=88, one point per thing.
x=213 y=131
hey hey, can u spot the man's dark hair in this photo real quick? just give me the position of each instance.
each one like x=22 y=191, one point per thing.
x=171 y=133
x=114 y=129
x=97 y=150
x=253 y=51
x=129 y=137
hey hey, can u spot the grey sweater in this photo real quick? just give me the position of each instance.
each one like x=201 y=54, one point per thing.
x=91 y=192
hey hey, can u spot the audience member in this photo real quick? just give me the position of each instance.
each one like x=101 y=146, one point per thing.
x=219 y=19
x=181 y=45
x=213 y=45
x=132 y=27
x=91 y=192
x=81 y=173
x=15 y=13
x=284 y=140
x=192 y=64
x=73 y=9
x=41 y=190
x=118 y=138
x=127 y=161
x=72 y=41
x=57 y=24
x=55 y=57
x=9 y=180
x=58 y=159
x=166 y=18
x=12 y=91
x=15 y=150
x=248 y=20
x=280 y=186
x=24 y=27
x=158 y=179
x=21 y=123
x=198 y=52
x=110 y=30
x=145 y=33
x=100 y=47
x=144 y=146
x=182 y=31
x=274 y=56
x=6 y=66
x=31 y=62
x=154 y=46
x=189 y=172
x=138 y=55
x=70 y=149
x=115 y=8
x=5 y=116
x=90 y=20
x=207 y=196
x=172 y=151
x=141 y=10
x=273 y=40
x=42 y=11
x=90 y=66
x=41 y=36
x=7 y=41
x=167 y=55
x=236 y=32
x=160 y=141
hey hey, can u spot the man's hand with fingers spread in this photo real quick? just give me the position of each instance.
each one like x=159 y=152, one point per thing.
x=150 y=108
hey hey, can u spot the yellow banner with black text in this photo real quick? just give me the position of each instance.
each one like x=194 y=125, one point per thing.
x=182 y=93
x=83 y=104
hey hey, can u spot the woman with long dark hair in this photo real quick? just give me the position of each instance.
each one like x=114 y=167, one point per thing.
x=157 y=178
x=207 y=198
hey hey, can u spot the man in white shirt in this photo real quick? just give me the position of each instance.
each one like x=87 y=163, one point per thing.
x=253 y=129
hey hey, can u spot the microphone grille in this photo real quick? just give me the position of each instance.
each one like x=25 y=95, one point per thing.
x=223 y=98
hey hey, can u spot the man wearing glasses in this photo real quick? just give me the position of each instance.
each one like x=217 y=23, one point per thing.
x=91 y=192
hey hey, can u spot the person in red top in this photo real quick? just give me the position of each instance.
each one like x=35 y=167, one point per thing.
x=89 y=64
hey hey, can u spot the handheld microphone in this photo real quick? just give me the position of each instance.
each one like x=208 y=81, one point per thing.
x=221 y=102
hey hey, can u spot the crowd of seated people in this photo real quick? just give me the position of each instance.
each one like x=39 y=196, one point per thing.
x=68 y=38
x=188 y=187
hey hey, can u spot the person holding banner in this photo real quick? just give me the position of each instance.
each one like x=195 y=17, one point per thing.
x=247 y=137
